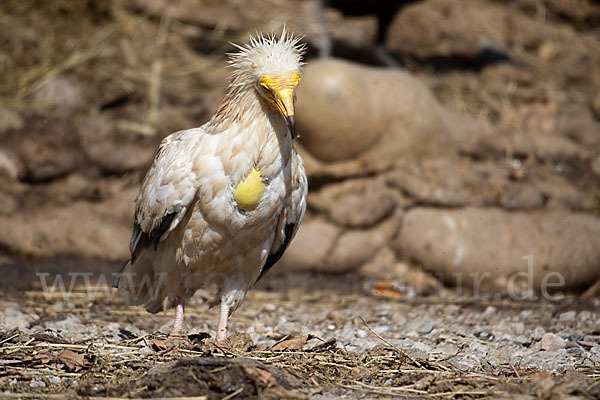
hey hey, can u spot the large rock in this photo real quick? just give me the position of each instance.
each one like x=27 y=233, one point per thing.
x=459 y=182
x=113 y=150
x=47 y=149
x=355 y=247
x=10 y=120
x=322 y=246
x=347 y=110
x=511 y=252
x=82 y=229
x=311 y=246
x=356 y=203
x=10 y=164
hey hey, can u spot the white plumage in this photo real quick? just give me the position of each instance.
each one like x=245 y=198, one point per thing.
x=221 y=202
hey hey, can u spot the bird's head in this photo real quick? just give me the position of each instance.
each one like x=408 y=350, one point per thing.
x=272 y=66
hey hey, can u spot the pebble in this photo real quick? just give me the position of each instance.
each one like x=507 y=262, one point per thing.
x=538 y=333
x=522 y=339
x=567 y=316
x=37 y=383
x=553 y=342
x=55 y=380
x=361 y=334
x=490 y=310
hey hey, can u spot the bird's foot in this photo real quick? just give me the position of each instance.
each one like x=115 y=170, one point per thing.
x=221 y=342
x=179 y=340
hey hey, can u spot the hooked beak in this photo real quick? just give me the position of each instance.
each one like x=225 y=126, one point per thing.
x=285 y=104
x=291 y=123
x=281 y=94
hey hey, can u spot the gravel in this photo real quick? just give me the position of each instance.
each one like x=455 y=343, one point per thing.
x=474 y=335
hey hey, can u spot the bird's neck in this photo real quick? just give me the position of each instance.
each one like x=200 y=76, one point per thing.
x=246 y=112
x=260 y=130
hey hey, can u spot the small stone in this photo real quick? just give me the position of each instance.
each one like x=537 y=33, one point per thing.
x=422 y=325
x=490 y=310
x=518 y=328
x=522 y=339
x=553 y=342
x=37 y=384
x=567 y=316
x=55 y=380
x=538 y=333
x=485 y=334
x=585 y=315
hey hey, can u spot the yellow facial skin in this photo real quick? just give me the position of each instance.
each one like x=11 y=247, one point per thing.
x=248 y=192
x=279 y=91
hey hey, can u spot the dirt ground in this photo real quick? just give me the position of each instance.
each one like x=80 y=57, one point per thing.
x=302 y=339
x=88 y=90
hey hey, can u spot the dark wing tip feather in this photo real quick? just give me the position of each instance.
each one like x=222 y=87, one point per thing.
x=141 y=240
x=118 y=277
x=274 y=257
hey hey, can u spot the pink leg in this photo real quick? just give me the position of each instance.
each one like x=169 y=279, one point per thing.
x=222 y=324
x=178 y=330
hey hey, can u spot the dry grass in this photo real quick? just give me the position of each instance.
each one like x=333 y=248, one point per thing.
x=113 y=50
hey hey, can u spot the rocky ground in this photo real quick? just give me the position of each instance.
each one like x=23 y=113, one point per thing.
x=450 y=248
x=300 y=338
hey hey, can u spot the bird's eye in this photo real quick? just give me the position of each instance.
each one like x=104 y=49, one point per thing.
x=264 y=87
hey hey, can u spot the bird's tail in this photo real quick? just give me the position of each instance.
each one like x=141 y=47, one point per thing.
x=139 y=285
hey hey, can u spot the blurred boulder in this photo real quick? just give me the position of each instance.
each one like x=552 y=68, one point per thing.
x=323 y=246
x=460 y=182
x=9 y=120
x=8 y=203
x=492 y=248
x=355 y=203
x=347 y=111
x=113 y=150
x=61 y=93
x=81 y=229
x=577 y=123
x=10 y=164
x=595 y=104
x=312 y=244
x=47 y=150
x=357 y=246
x=595 y=165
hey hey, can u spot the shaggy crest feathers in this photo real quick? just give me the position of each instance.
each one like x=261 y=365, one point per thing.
x=263 y=55
x=266 y=55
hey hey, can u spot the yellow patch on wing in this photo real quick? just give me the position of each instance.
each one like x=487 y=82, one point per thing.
x=248 y=192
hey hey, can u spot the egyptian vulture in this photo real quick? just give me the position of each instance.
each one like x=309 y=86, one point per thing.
x=221 y=203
